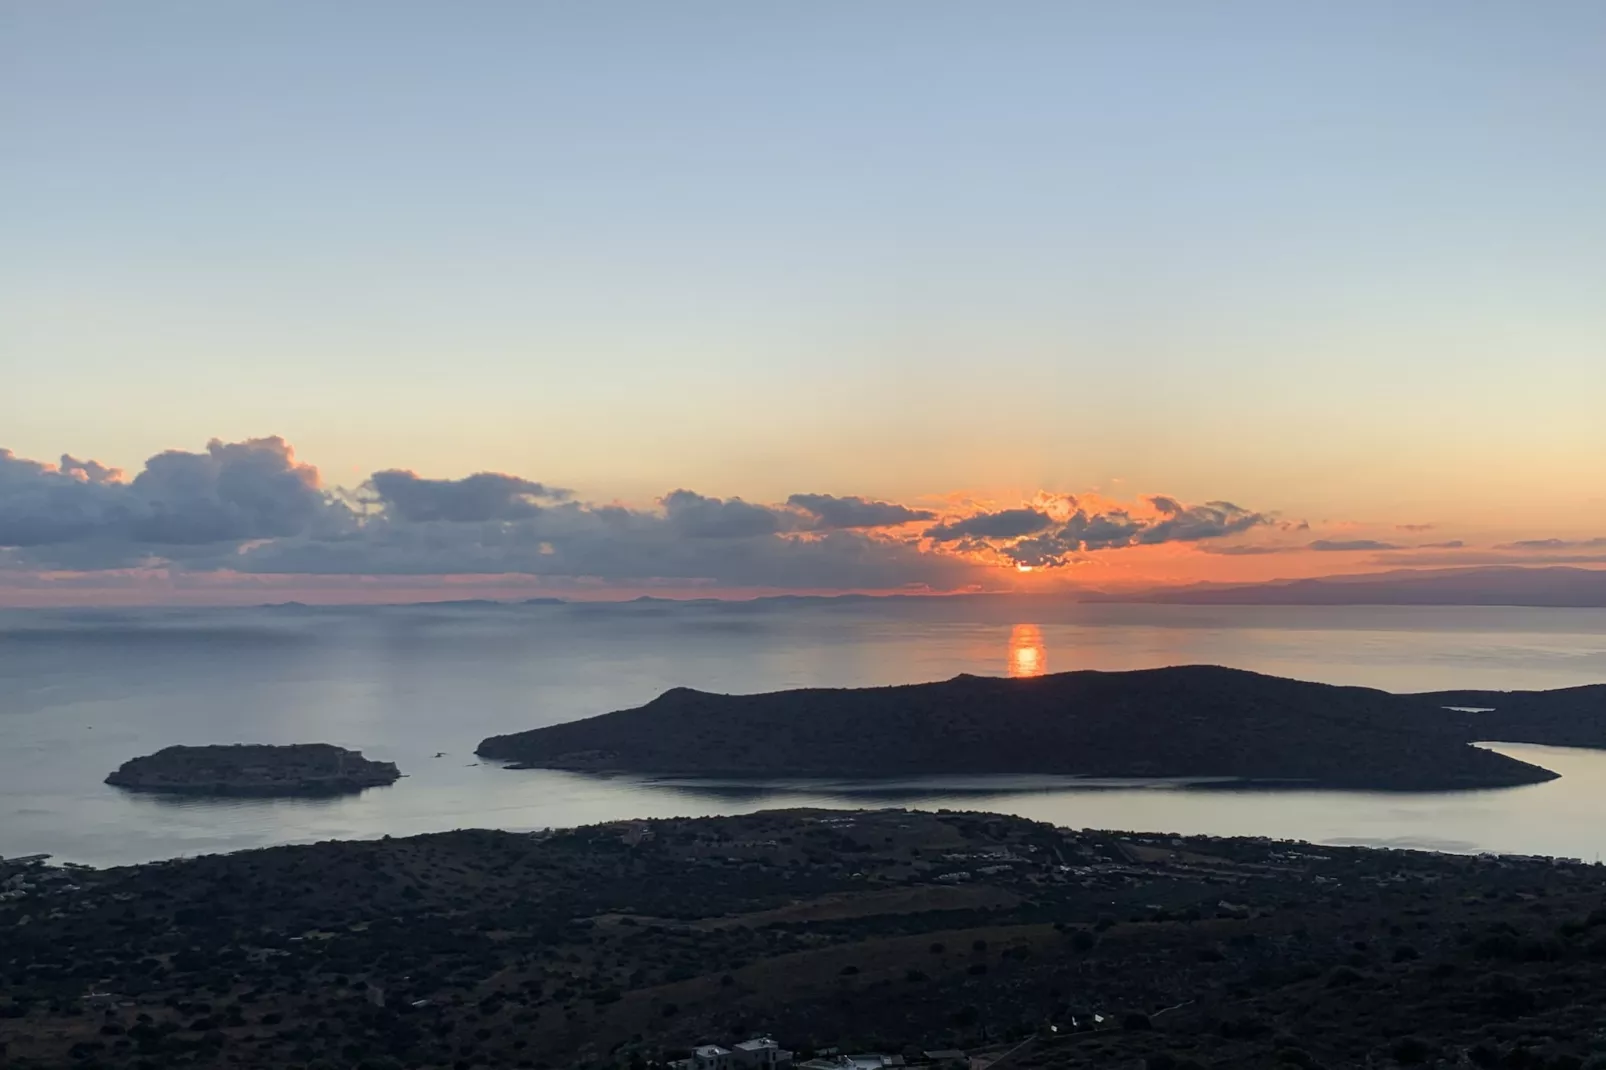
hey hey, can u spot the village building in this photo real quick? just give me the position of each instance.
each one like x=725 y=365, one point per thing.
x=759 y=1053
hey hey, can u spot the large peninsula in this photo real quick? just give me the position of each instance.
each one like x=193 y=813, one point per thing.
x=1187 y=721
x=254 y=769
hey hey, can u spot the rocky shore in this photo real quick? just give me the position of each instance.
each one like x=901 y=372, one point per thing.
x=254 y=769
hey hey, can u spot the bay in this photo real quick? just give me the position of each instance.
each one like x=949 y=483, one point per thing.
x=83 y=690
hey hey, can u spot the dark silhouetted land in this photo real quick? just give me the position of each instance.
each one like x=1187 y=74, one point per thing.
x=1492 y=585
x=622 y=945
x=1189 y=721
x=254 y=769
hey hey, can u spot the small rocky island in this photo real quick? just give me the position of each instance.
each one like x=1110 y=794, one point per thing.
x=254 y=769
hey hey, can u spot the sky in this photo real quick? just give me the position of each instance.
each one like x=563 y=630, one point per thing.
x=1316 y=285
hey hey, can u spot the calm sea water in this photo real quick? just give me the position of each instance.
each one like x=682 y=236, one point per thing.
x=81 y=691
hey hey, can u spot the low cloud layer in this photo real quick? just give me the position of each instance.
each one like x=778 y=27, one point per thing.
x=253 y=508
x=1344 y=546
x=833 y=513
x=1167 y=521
x=1004 y=524
x=231 y=493
x=481 y=497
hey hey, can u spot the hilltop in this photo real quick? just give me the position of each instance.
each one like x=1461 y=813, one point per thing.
x=1188 y=721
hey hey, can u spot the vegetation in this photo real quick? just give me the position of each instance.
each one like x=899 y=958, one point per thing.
x=623 y=944
x=254 y=769
x=1191 y=721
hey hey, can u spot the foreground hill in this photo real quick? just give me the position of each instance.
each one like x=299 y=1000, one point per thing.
x=1189 y=721
x=622 y=945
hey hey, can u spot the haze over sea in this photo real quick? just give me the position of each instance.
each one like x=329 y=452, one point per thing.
x=83 y=690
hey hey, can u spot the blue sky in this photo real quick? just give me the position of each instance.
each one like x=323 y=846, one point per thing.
x=1338 y=260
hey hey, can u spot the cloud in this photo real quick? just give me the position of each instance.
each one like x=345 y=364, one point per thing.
x=234 y=491
x=1415 y=528
x=1350 y=545
x=1114 y=529
x=1554 y=544
x=1004 y=524
x=611 y=543
x=1212 y=520
x=86 y=471
x=252 y=509
x=231 y=493
x=479 y=497
x=1452 y=544
x=830 y=512
x=701 y=517
x=41 y=504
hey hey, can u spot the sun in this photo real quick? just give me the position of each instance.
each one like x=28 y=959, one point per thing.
x=1021 y=567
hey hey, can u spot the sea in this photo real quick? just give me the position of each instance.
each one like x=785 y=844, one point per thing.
x=82 y=690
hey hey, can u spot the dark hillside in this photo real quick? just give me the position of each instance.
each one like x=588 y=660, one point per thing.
x=1569 y=717
x=1190 y=721
x=621 y=945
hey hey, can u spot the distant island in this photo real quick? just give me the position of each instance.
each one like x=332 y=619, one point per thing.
x=1182 y=722
x=254 y=769
x=1496 y=585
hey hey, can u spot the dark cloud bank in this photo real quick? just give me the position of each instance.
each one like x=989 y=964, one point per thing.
x=1049 y=543
x=252 y=507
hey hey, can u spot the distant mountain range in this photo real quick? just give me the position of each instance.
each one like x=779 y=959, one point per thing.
x=1500 y=585
x=1493 y=585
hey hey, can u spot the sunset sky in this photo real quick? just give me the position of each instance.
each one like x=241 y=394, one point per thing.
x=730 y=298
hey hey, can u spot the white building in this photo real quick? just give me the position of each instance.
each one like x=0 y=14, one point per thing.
x=710 y=1057
x=759 y=1053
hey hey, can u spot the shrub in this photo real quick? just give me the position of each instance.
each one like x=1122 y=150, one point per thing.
x=1411 y=1051
x=1497 y=946
x=1343 y=976
x=1505 y=997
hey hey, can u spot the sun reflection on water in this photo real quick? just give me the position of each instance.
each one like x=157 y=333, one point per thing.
x=1027 y=657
